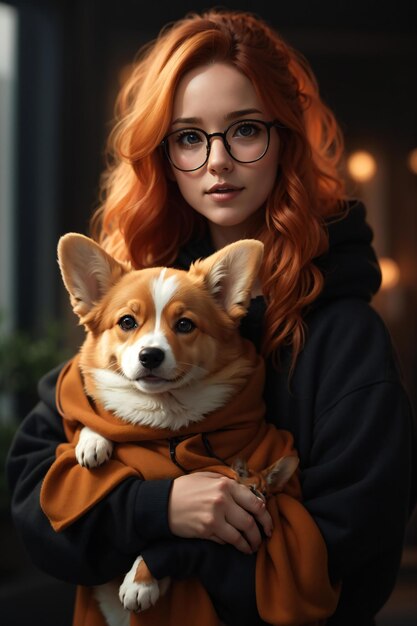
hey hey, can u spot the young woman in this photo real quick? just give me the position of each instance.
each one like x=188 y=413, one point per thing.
x=222 y=135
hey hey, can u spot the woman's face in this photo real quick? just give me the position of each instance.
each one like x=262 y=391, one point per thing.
x=211 y=98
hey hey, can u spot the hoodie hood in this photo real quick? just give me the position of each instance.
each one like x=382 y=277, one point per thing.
x=350 y=266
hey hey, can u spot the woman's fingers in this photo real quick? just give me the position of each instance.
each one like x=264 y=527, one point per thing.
x=244 y=514
x=230 y=534
x=217 y=540
x=210 y=506
x=246 y=499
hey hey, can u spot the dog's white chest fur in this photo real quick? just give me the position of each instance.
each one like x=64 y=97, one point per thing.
x=173 y=409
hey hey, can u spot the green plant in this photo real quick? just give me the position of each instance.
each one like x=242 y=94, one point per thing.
x=24 y=359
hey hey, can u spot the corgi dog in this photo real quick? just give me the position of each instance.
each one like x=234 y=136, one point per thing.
x=163 y=350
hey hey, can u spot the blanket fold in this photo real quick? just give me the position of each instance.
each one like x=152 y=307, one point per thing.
x=292 y=584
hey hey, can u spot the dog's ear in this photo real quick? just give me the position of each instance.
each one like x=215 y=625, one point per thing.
x=278 y=474
x=230 y=274
x=87 y=271
x=241 y=468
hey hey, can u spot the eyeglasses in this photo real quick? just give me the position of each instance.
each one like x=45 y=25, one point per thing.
x=246 y=141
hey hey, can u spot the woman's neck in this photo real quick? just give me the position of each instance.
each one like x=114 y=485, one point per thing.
x=221 y=235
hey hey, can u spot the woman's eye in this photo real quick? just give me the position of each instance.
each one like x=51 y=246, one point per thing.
x=246 y=130
x=188 y=139
x=184 y=325
x=127 y=322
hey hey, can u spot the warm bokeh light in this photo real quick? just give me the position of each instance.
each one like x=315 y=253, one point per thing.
x=361 y=166
x=412 y=161
x=390 y=273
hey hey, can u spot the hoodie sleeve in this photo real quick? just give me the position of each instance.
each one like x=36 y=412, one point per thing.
x=227 y=575
x=134 y=514
x=356 y=438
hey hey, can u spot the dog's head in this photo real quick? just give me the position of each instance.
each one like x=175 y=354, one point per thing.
x=269 y=481
x=158 y=329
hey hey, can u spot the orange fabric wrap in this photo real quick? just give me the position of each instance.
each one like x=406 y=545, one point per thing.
x=292 y=584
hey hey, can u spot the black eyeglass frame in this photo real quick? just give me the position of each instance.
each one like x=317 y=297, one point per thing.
x=208 y=136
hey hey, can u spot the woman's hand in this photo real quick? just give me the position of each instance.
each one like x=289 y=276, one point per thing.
x=211 y=506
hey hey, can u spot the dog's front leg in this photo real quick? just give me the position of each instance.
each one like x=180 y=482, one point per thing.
x=92 y=449
x=140 y=589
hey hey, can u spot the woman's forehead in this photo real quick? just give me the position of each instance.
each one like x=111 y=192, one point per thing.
x=217 y=92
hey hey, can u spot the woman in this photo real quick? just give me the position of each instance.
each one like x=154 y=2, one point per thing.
x=222 y=135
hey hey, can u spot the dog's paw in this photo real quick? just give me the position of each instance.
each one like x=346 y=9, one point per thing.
x=92 y=449
x=138 y=596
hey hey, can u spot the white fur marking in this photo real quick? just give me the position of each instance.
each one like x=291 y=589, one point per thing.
x=162 y=292
x=108 y=598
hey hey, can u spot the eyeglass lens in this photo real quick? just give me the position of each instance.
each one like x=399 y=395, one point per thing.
x=247 y=141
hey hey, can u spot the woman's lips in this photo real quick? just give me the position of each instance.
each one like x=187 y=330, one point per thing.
x=222 y=195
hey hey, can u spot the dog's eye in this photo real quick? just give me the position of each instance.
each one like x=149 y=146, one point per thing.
x=127 y=322
x=184 y=325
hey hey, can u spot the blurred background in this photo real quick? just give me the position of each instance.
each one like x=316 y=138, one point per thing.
x=61 y=65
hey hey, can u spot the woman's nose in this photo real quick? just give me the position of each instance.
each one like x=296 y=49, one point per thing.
x=219 y=159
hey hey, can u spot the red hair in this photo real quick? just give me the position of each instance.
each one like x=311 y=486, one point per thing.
x=143 y=217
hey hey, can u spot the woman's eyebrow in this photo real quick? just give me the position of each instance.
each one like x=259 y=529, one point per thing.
x=187 y=120
x=229 y=116
x=236 y=114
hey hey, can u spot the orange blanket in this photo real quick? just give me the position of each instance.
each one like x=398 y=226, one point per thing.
x=292 y=584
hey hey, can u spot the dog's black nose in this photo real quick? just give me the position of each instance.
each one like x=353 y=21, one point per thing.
x=151 y=358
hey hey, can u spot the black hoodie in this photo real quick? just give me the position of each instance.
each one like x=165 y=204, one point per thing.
x=351 y=420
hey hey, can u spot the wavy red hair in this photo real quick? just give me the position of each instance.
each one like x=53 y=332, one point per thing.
x=139 y=201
